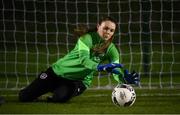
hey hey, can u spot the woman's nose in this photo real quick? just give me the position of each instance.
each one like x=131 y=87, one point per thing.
x=108 y=31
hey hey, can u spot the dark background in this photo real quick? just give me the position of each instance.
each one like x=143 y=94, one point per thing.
x=35 y=33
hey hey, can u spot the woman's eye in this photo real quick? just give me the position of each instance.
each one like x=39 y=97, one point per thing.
x=112 y=30
x=106 y=28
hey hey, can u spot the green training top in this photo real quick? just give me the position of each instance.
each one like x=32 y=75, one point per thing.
x=82 y=62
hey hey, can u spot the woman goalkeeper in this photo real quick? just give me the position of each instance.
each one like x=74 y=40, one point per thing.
x=72 y=75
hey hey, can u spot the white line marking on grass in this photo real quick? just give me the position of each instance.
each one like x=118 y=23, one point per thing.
x=159 y=94
x=106 y=95
x=140 y=95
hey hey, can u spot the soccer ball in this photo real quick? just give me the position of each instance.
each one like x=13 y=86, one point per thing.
x=123 y=95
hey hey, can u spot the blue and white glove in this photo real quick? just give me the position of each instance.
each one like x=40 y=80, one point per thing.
x=131 y=78
x=109 y=67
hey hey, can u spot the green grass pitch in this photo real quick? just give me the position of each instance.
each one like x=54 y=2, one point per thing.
x=154 y=101
x=24 y=59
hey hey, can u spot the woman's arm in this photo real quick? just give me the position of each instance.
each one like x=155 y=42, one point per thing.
x=84 y=44
x=114 y=57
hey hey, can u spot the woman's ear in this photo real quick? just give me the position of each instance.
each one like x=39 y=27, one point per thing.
x=98 y=26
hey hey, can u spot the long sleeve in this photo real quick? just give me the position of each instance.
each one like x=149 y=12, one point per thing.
x=84 y=55
x=114 y=57
x=77 y=63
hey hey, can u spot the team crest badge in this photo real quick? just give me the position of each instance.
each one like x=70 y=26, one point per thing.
x=43 y=76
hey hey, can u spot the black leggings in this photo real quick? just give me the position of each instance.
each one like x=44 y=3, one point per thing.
x=62 y=89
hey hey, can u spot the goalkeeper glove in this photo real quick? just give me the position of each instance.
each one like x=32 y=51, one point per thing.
x=131 y=78
x=109 y=67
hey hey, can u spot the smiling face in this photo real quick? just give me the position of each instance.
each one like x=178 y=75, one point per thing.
x=106 y=29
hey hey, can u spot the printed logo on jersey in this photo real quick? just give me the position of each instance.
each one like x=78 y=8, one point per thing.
x=43 y=76
x=98 y=57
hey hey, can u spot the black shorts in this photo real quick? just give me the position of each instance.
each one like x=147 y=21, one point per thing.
x=62 y=89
